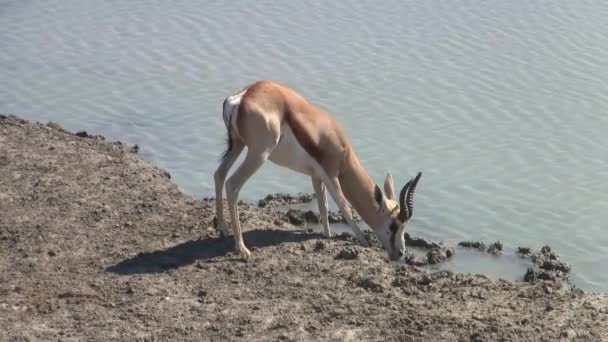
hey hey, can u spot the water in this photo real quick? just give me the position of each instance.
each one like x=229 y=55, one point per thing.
x=502 y=105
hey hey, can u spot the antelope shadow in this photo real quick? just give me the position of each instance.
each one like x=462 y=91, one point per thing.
x=203 y=249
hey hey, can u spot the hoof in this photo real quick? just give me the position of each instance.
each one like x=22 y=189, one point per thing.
x=221 y=228
x=245 y=253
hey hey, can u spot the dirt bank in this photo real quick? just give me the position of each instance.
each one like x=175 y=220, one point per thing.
x=98 y=245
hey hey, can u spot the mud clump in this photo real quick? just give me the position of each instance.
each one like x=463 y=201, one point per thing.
x=420 y=242
x=134 y=149
x=348 y=253
x=438 y=251
x=473 y=244
x=319 y=246
x=494 y=248
x=299 y=217
x=524 y=251
x=439 y=255
x=414 y=260
x=279 y=199
x=84 y=134
x=546 y=265
x=371 y=284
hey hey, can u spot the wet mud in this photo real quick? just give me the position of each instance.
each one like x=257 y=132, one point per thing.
x=97 y=244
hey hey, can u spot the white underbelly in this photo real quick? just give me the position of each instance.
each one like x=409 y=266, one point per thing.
x=290 y=154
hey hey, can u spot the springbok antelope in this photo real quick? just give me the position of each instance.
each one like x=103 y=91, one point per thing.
x=278 y=124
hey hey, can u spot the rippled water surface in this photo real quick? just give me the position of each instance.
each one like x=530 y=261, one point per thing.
x=502 y=105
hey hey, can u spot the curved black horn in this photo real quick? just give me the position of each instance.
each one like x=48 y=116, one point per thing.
x=404 y=213
x=406 y=198
x=410 y=195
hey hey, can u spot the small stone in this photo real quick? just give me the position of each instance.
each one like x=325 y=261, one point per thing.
x=371 y=285
x=569 y=334
x=413 y=260
x=495 y=248
x=312 y=217
x=334 y=217
x=295 y=217
x=319 y=246
x=52 y=253
x=348 y=253
x=531 y=274
x=425 y=280
x=524 y=250
x=473 y=244
x=476 y=337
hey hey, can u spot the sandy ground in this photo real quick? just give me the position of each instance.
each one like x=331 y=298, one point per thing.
x=98 y=245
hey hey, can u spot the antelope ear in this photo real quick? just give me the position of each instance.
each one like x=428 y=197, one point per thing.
x=378 y=195
x=389 y=189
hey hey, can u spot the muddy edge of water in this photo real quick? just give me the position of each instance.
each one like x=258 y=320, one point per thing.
x=98 y=244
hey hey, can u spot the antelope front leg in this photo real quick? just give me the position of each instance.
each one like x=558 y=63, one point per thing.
x=333 y=185
x=317 y=184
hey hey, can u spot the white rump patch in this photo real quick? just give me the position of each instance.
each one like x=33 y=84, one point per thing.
x=231 y=111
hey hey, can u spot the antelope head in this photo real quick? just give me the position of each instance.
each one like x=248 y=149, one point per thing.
x=393 y=217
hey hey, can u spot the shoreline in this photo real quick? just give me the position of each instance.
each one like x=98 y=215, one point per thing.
x=100 y=245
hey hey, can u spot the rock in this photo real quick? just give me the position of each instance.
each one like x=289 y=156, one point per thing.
x=55 y=126
x=473 y=244
x=449 y=252
x=413 y=260
x=546 y=266
x=534 y=273
x=334 y=217
x=524 y=250
x=371 y=285
x=424 y=280
x=285 y=199
x=495 y=248
x=531 y=274
x=348 y=253
x=476 y=337
x=569 y=334
x=319 y=246
x=294 y=217
x=134 y=149
x=436 y=256
x=418 y=242
x=311 y=216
